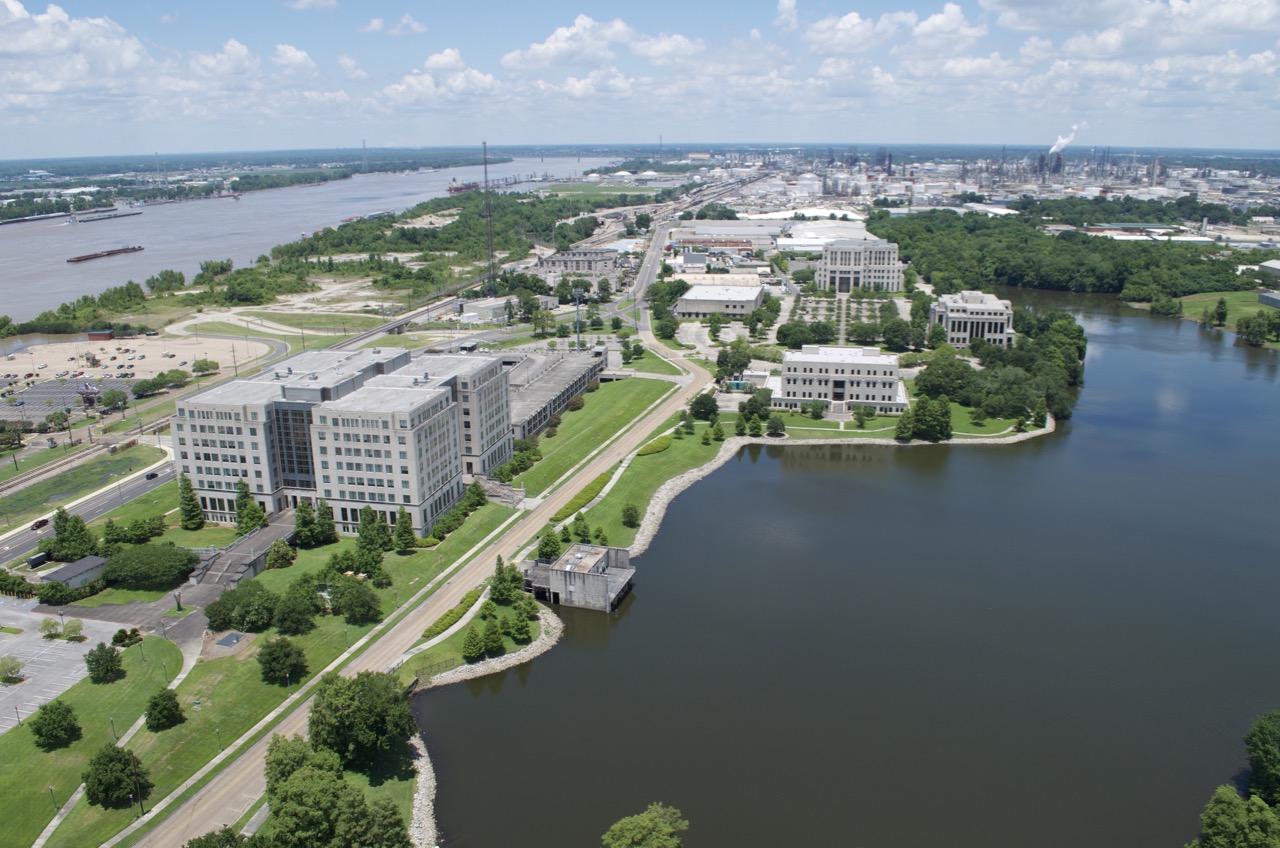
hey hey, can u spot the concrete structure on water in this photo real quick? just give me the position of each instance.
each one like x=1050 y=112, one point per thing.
x=588 y=576
x=358 y=428
x=842 y=377
x=973 y=315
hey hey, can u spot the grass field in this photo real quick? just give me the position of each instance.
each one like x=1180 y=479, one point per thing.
x=150 y=413
x=596 y=190
x=33 y=461
x=120 y=596
x=327 y=321
x=653 y=364
x=448 y=654
x=30 y=771
x=607 y=411
x=1239 y=304
x=162 y=500
x=73 y=483
x=296 y=343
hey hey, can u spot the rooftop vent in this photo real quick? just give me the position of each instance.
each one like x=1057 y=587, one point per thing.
x=313 y=376
x=377 y=350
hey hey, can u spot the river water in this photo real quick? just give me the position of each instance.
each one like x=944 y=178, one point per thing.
x=1058 y=643
x=33 y=255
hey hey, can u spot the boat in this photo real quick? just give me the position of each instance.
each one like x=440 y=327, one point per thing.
x=106 y=217
x=101 y=253
x=459 y=188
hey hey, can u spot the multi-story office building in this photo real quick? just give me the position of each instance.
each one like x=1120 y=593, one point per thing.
x=357 y=428
x=973 y=315
x=843 y=377
x=870 y=264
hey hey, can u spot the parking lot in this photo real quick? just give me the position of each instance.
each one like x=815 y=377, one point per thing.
x=57 y=396
x=50 y=666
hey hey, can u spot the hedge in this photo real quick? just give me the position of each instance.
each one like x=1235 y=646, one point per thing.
x=452 y=616
x=583 y=498
x=658 y=445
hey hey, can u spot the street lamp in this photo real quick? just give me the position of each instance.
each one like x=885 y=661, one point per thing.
x=54 y=799
x=218 y=732
x=114 y=735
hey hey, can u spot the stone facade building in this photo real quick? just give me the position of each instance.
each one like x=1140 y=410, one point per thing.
x=870 y=264
x=973 y=315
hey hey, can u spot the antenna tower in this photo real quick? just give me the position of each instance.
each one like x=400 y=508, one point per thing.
x=488 y=220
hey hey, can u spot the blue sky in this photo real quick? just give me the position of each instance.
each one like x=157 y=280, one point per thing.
x=134 y=76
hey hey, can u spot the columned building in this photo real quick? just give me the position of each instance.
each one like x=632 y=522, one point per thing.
x=973 y=315
x=842 y=377
x=869 y=264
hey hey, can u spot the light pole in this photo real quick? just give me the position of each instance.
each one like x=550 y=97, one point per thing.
x=142 y=652
x=114 y=735
x=54 y=799
x=577 y=314
x=218 y=731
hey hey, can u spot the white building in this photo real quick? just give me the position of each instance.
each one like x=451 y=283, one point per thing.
x=973 y=315
x=844 y=377
x=870 y=264
x=730 y=301
x=500 y=310
x=357 y=428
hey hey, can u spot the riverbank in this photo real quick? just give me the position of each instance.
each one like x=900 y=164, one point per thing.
x=669 y=490
x=423 y=831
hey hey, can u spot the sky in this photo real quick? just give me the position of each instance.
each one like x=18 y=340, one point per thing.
x=99 y=77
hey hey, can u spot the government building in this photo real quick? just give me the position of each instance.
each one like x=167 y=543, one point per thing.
x=376 y=428
x=869 y=264
x=842 y=377
x=973 y=315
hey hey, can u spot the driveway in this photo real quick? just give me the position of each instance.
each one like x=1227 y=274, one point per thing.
x=50 y=666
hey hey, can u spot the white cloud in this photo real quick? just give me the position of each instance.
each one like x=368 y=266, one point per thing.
x=586 y=42
x=352 y=68
x=233 y=60
x=407 y=26
x=947 y=30
x=374 y=25
x=292 y=59
x=303 y=5
x=444 y=77
x=853 y=33
x=667 y=49
x=1053 y=14
x=786 y=18
x=449 y=59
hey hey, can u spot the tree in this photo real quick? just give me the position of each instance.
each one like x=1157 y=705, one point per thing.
x=326 y=532
x=776 y=426
x=360 y=717
x=472 y=645
x=294 y=614
x=357 y=602
x=1262 y=743
x=1220 y=312
x=10 y=669
x=150 y=566
x=114 y=775
x=906 y=426
x=71 y=540
x=405 y=538
x=739 y=427
x=630 y=515
x=281 y=661
x=861 y=413
x=54 y=725
x=249 y=514
x=704 y=407
x=57 y=420
x=205 y=366
x=374 y=532
x=896 y=333
x=549 y=547
x=304 y=524
x=163 y=710
x=50 y=628
x=937 y=336
x=104 y=663
x=494 y=646
x=225 y=837
x=659 y=826
x=717 y=431
x=72 y=630
x=280 y=555
x=507 y=583
x=112 y=398
x=191 y=516
x=754 y=429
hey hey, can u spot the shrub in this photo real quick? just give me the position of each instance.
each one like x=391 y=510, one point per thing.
x=164 y=711
x=282 y=661
x=104 y=664
x=150 y=566
x=575 y=403
x=452 y=616
x=658 y=445
x=583 y=497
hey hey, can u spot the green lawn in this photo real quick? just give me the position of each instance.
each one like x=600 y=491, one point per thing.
x=448 y=654
x=161 y=501
x=596 y=190
x=608 y=411
x=295 y=343
x=650 y=363
x=121 y=596
x=35 y=460
x=151 y=412
x=1239 y=304
x=327 y=321
x=646 y=473
x=76 y=482
x=30 y=771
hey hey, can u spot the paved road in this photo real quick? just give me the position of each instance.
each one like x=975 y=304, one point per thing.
x=225 y=799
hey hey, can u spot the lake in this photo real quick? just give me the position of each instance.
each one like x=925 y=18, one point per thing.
x=1057 y=643
x=33 y=255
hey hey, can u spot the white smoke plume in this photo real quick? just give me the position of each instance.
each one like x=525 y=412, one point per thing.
x=1063 y=141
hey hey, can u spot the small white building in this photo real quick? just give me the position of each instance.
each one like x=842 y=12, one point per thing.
x=731 y=301
x=495 y=310
x=870 y=264
x=843 y=377
x=974 y=315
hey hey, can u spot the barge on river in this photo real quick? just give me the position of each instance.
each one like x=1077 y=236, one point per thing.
x=101 y=253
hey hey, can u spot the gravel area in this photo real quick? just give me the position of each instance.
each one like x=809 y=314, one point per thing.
x=422 y=830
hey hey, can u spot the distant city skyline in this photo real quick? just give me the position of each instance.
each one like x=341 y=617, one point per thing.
x=93 y=77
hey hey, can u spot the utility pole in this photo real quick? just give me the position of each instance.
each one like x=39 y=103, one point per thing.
x=488 y=220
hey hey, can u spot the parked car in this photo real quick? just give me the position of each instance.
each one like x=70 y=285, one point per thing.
x=39 y=523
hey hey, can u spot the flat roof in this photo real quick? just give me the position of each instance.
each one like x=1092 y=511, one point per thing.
x=722 y=293
x=386 y=398
x=853 y=355
x=330 y=367
x=581 y=558
x=528 y=398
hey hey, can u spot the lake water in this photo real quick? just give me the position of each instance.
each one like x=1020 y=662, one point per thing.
x=1058 y=643
x=33 y=255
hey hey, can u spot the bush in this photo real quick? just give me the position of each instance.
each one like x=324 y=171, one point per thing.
x=282 y=661
x=630 y=515
x=164 y=711
x=452 y=616
x=658 y=445
x=104 y=664
x=150 y=566
x=280 y=555
x=583 y=497
x=575 y=403
x=53 y=594
x=54 y=725
x=10 y=669
x=249 y=606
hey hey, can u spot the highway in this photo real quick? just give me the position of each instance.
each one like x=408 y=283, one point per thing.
x=227 y=796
